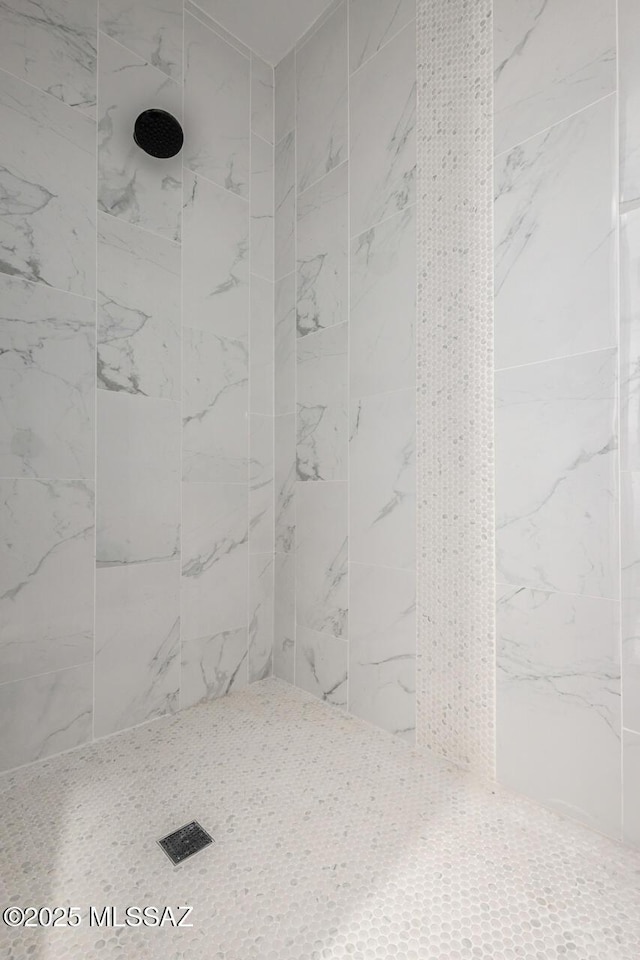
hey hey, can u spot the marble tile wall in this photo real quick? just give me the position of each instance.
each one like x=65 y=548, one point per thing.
x=344 y=392
x=136 y=370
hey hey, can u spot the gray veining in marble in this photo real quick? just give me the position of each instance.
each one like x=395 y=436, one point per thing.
x=261 y=477
x=150 y=28
x=322 y=550
x=372 y=23
x=322 y=421
x=261 y=609
x=322 y=665
x=213 y=666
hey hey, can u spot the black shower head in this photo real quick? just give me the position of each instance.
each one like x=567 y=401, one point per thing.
x=158 y=133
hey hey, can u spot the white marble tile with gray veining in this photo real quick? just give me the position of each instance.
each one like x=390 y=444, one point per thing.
x=372 y=23
x=137 y=655
x=213 y=666
x=261 y=505
x=383 y=480
x=214 y=559
x=322 y=421
x=558 y=702
x=285 y=96
x=284 y=625
x=322 y=100
x=630 y=660
x=216 y=108
x=321 y=553
x=47 y=190
x=382 y=647
x=139 y=328
x=215 y=406
x=216 y=286
x=629 y=90
x=261 y=600
x=262 y=91
x=285 y=482
x=550 y=60
x=261 y=355
x=382 y=106
x=46 y=576
x=630 y=341
x=556 y=475
x=322 y=234
x=138 y=479
x=285 y=345
x=132 y=185
x=262 y=206
x=555 y=243
x=47 y=382
x=630 y=535
x=322 y=665
x=52 y=45
x=383 y=306
x=285 y=206
x=631 y=788
x=151 y=28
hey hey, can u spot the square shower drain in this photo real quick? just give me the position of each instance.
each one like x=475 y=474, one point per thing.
x=185 y=841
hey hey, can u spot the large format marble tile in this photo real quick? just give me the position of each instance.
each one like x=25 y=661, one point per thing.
x=215 y=246
x=321 y=551
x=285 y=96
x=631 y=788
x=214 y=559
x=382 y=480
x=261 y=607
x=139 y=328
x=383 y=306
x=262 y=201
x=285 y=206
x=630 y=341
x=216 y=108
x=372 y=23
x=323 y=253
x=321 y=100
x=555 y=244
x=630 y=535
x=383 y=146
x=137 y=661
x=44 y=715
x=629 y=89
x=213 y=666
x=214 y=408
x=47 y=190
x=322 y=665
x=151 y=28
x=285 y=345
x=261 y=505
x=284 y=626
x=630 y=653
x=138 y=502
x=551 y=60
x=558 y=702
x=132 y=185
x=52 y=45
x=262 y=91
x=382 y=647
x=46 y=576
x=556 y=483
x=47 y=382
x=285 y=482
x=261 y=354
x=322 y=423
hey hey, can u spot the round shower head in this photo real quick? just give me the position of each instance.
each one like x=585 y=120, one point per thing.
x=158 y=134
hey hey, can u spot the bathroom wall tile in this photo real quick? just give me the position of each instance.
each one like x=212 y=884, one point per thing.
x=262 y=98
x=555 y=260
x=45 y=715
x=208 y=21
x=46 y=576
x=321 y=100
x=285 y=206
x=383 y=306
x=131 y=184
x=559 y=703
x=214 y=559
x=322 y=423
x=213 y=666
x=322 y=253
x=52 y=45
x=285 y=96
x=137 y=665
x=262 y=200
x=630 y=535
x=631 y=785
x=261 y=514
x=546 y=68
x=285 y=482
x=556 y=475
x=285 y=345
x=47 y=190
x=214 y=408
x=383 y=483
x=215 y=259
x=321 y=550
x=151 y=28
x=262 y=347
x=138 y=504
x=630 y=341
x=47 y=382
x=630 y=654
x=261 y=601
x=372 y=23
x=216 y=108
x=383 y=118
x=382 y=647
x=284 y=631
x=139 y=291
x=321 y=666
x=629 y=87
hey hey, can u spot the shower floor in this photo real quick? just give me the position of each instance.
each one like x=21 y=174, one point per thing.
x=332 y=840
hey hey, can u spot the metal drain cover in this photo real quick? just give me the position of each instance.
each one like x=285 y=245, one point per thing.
x=185 y=842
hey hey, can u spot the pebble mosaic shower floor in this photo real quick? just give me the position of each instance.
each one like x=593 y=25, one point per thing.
x=332 y=840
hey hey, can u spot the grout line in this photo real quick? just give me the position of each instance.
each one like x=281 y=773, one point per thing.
x=137 y=226
x=324 y=176
x=383 y=566
x=409 y=23
x=182 y=382
x=218 y=186
x=102 y=33
x=618 y=261
x=250 y=386
x=49 y=96
x=49 y=673
x=295 y=360
x=568 y=356
x=95 y=403
x=379 y=223
x=348 y=383
x=45 y=286
x=211 y=24
x=560 y=593
x=317 y=25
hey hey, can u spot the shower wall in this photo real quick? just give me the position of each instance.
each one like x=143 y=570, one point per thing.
x=136 y=370
x=345 y=401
